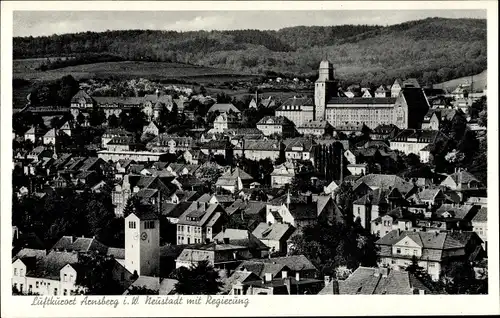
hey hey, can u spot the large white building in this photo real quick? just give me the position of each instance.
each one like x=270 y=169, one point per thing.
x=406 y=110
x=142 y=244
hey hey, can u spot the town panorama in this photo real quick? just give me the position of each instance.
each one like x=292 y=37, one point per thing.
x=269 y=184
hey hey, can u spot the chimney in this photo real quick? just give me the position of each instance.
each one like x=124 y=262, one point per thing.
x=268 y=277
x=297 y=276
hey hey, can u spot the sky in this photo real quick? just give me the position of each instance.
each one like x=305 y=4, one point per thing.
x=39 y=23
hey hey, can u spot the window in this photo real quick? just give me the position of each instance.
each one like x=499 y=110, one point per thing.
x=15 y=271
x=65 y=292
x=65 y=279
x=188 y=228
x=415 y=252
x=149 y=224
x=178 y=228
x=393 y=261
x=21 y=272
x=359 y=210
x=36 y=284
x=431 y=265
x=398 y=250
x=131 y=225
x=55 y=291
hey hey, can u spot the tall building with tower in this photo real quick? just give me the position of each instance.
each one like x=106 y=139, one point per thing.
x=324 y=88
x=142 y=243
x=406 y=110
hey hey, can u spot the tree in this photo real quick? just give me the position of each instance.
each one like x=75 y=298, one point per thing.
x=96 y=274
x=97 y=116
x=460 y=278
x=113 y=121
x=330 y=246
x=200 y=279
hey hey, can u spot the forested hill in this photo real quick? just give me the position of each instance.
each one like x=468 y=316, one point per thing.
x=433 y=49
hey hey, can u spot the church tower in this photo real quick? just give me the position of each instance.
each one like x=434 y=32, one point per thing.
x=142 y=243
x=324 y=88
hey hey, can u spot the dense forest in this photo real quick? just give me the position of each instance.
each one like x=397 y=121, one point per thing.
x=432 y=50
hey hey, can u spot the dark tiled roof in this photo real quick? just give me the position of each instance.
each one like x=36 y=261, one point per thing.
x=274 y=120
x=362 y=100
x=481 y=216
x=296 y=263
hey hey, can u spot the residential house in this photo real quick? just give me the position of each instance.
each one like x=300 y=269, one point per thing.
x=37 y=153
x=35 y=134
x=461 y=214
x=223 y=108
x=385 y=181
x=275 y=236
x=480 y=225
x=377 y=281
x=259 y=149
x=299 y=149
x=199 y=223
x=67 y=128
x=461 y=180
x=366 y=93
x=225 y=121
x=237 y=278
x=243 y=238
x=112 y=133
x=297 y=109
x=50 y=137
x=223 y=257
x=283 y=175
x=384 y=132
x=316 y=128
x=247 y=213
x=429 y=197
x=234 y=180
x=293 y=264
x=151 y=129
x=299 y=212
x=376 y=203
x=170 y=143
x=159 y=285
x=358 y=168
x=434 y=118
x=280 y=125
x=286 y=285
x=413 y=140
x=435 y=251
x=331 y=187
x=194 y=156
x=218 y=148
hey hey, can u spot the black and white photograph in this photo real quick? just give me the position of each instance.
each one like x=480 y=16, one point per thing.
x=177 y=153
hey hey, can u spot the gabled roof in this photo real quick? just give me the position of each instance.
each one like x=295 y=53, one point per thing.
x=370 y=281
x=223 y=108
x=51 y=133
x=261 y=268
x=238 y=277
x=248 y=207
x=49 y=266
x=305 y=143
x=274 y=120
x=385 y=181
x=481 y=216
x=172 y=210
x=237 y=173
x=81 y=94
x=459 y=212
x=273 y=232
x=242 y=238
x=429 y=240
x=296 y=263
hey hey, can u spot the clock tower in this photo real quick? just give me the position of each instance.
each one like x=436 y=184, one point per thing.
x=142 y=243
